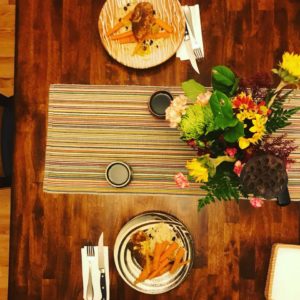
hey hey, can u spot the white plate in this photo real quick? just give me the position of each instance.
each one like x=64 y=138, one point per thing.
x=168 y=10
x=128 y=267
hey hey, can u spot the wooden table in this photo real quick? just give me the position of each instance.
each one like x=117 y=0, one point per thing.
x=58 y=42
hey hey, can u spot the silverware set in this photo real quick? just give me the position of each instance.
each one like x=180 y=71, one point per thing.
x=91 y=258
x=188 y=17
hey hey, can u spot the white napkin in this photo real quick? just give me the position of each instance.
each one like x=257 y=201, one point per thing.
x=95 y=272
x=198 y=41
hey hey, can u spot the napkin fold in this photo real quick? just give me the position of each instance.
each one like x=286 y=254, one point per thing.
x=95 y=272
x=198 y=41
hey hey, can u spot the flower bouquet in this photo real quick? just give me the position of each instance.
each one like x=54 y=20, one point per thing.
x=230 y=126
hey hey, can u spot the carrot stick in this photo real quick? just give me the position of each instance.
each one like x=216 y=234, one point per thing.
x=120 y=24
x=164 y=270
x=164 y=246
x=159 y=35
x=115 y=28
x=169 y=251
x=122 y=35
x=162 y=265
x=178 y=258
x=127 y=40
x=158 y=250
x=184 y=263
x=180 y=265
x=164 y=25
x=156 y=255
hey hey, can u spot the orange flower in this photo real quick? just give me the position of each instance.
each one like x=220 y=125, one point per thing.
x=243 y=101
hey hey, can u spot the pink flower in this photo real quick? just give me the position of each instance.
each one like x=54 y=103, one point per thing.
x=256 y=202
x=238 y=167
x=181 y=181
x=231 y=151
x=176 y=110
x=203 y=98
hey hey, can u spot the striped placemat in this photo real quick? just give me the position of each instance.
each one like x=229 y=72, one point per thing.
x=89 y=126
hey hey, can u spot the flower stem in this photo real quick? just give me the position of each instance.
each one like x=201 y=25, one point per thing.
x=280 y=86
x=221 y=159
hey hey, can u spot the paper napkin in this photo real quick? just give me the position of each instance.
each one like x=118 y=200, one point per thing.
x=95 y=272
x=198 y=41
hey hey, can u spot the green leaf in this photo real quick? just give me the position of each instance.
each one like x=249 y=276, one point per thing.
x=222 y=109
x=224 y=80
x=279 y=117
x=192 y=89
x=234 y=87
x=224 y=186
x=232 y=134
x=223 y=75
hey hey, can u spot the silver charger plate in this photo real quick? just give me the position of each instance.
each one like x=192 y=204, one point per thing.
x=128 y=267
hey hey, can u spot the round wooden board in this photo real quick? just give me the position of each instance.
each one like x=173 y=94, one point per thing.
x=168 y=10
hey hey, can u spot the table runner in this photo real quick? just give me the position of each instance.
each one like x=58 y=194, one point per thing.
x=89 y=126
x=92 y=126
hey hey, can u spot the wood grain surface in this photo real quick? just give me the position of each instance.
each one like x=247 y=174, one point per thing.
x=58 y=42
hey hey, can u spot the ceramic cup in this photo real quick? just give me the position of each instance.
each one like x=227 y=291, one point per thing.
x=158 y=103
x=118 y=174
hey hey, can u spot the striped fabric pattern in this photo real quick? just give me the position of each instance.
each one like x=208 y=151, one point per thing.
x=90 y=126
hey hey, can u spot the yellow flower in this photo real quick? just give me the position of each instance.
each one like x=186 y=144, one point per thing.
x=289 y=72
x=258 y=130
x=244 y=142
x=245 y=114
x=197 y=171
x=256 y=137
x=258 y=124
x=291 y=63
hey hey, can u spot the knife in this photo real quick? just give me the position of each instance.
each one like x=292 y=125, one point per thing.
x=101 y=267
x=189 y=48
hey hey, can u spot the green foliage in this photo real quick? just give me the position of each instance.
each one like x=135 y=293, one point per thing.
x=192 y=89
x=280 y=116
x=232 y=134
x=198 y=120
x=222 y=109
x=224 y=186
x=224 y=80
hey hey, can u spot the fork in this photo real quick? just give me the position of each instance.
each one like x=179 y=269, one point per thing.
x=90 y=289
x=188 y=16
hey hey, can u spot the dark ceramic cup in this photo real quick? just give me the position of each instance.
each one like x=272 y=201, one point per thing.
x=158 y=103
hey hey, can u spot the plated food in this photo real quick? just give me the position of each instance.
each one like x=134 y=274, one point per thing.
x=154 y=252
x=141 y=34
x=158 y=250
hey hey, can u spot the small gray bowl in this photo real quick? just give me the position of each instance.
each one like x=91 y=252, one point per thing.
x=118 y=174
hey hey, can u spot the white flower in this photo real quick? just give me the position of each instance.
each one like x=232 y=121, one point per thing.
x=176 y=109
x=203 y=98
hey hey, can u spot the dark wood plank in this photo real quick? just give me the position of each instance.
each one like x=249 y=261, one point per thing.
x=58 y=42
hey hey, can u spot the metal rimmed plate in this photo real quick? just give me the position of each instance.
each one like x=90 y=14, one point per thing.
x=128 y=267
x=168 y=10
